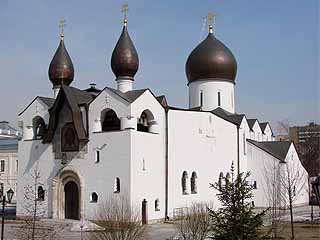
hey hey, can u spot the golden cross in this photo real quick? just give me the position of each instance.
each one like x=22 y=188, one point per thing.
x=62 y=24
x=125 y=9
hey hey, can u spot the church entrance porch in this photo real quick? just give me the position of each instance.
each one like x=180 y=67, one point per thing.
x=71 y=196
x=68 y=194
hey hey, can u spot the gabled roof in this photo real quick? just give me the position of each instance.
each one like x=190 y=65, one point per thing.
x=277 y=149
x=75 y=98
x=263 y=126
x=231 y=117
x=129 y=96
x=251 y=122
x=162 y=100
x=48 y=101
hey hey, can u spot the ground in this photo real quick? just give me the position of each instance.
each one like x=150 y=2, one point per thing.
x=304 y=230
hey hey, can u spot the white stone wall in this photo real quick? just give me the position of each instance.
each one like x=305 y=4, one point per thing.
x=265 y=168
x=200 y=142
x=210 y=91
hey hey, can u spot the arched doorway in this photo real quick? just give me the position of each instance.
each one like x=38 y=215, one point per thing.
x=71 y=193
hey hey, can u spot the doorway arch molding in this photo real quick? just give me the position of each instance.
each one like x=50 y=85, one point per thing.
x=65 y=175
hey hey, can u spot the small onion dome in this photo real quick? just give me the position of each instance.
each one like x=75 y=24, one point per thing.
x=61 y=68
x=124 y=60
x=211 y=59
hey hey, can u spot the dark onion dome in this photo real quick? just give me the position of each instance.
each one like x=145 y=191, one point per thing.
x=61 y=68
x=125 y=60
x=211 y=59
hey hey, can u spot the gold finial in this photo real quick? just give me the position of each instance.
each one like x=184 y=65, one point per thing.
x=125 y=9
x=211 y=20
x=62 y=24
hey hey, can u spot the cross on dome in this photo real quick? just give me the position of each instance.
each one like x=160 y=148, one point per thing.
x=124 y=10
x=211 y=20
x=62 y=24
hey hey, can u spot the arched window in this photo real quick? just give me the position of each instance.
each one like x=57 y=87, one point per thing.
x=39 y=128
x=145 y=121
x=117 y=185
x=194 y=183
x=184 y=182
x=40 y=193
x=228 y=178
x=110 y=121
x=94 y=197
x=156 y=205
x=220 y=179
x=69 y=138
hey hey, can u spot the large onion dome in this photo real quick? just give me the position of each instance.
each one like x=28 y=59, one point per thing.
x=124 y=60
x=211 y=60
x=61 y=68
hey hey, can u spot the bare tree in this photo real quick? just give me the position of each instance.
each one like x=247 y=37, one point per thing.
x=310 y=155
x=32 y=227
x=194 y=224
x=274 y=195
x=293 y=181
x=119 y=220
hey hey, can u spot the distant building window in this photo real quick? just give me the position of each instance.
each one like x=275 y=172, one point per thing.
x=219 y=99
x=2 y=165
x=184 y=182
x=156 y=205
x=94 y=197
x=201 y=98
x=117 y=185
x=194 y=183
x=1 y=189
x=97 y=156
x=40 y=193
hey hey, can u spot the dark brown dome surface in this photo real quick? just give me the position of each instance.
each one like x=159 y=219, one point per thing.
x=61 y=68
x=125 y=60
x=211 y=59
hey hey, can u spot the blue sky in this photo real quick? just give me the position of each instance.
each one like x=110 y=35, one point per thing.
x=276 y=44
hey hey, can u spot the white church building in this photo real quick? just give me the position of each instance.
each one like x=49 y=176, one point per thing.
x=92 y=144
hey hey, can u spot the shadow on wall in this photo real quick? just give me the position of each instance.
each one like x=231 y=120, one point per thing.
x=37 y=149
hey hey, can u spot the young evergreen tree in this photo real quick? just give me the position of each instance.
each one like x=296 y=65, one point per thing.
x=236 y=219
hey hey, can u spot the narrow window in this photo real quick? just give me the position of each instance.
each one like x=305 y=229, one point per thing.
x=40 y=193
x=219 y=99
x=294 y=190
x=201 y=98
x=2 y=165
x=194 y=183
x=94 y=197
x=117 y=185
x=220 y=179
x=156 y=205
x=184 y=182
x=231 y=100
x=97 y=156
x=244 y=143
x=255 y=185
x=17 y=165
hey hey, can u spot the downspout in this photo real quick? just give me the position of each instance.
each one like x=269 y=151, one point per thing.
x=238 y=150
x=166 y=164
